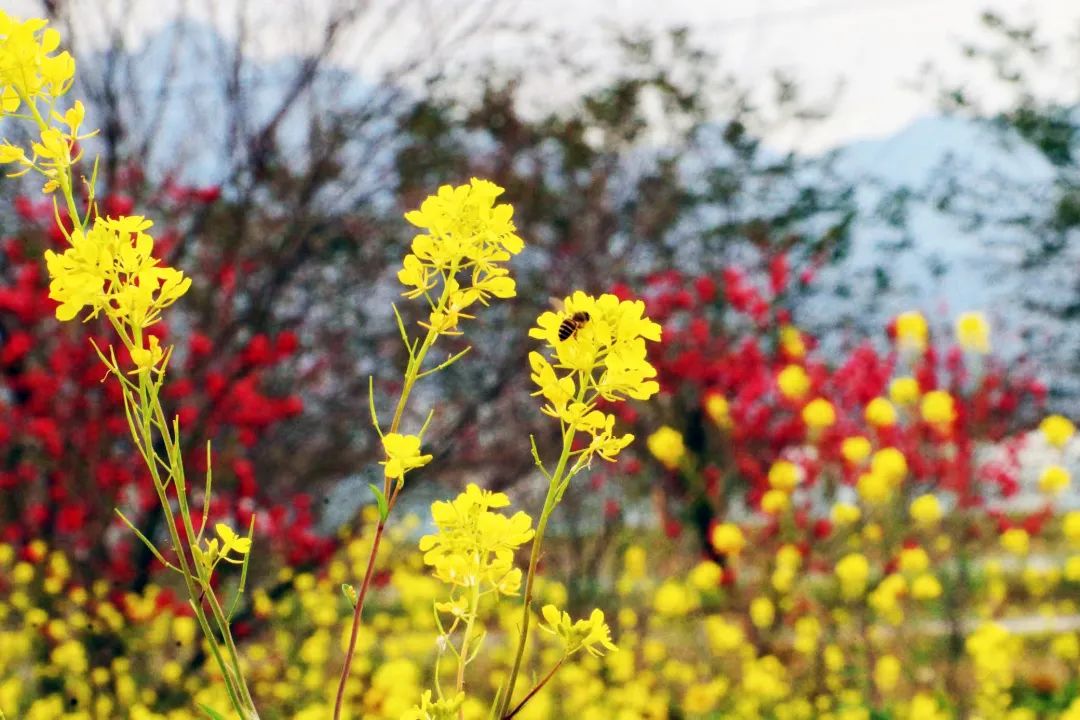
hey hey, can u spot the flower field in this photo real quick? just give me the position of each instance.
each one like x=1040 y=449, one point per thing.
x=776 y=526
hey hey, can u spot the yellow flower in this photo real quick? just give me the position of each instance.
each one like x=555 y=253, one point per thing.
x=728 y=539
x=774 y=502
x=855 y=449
x=402 y=455
x=30 y=67
x=874 y=488
x=887 y=673
x=853 y=571
x=1070 y=527
x=973 y=332
x=1057 y=430
x=442 y=709
x=925 y=587
x=148 y=358
x=1054 y=479
x=223 y=547
x=593 y=634
x=603 y=359
x=110 y=268
x=784 y=475
x=666 y=445
x=716 y=407
x=938 y=408
x=791 y=340
x=904 y=390
x=819 y=414
x=891 y=464
x=925 y=510
x=914 y=560
x=474 y=545
x=793 y=382
x=880 y=413
x=762 y=612
x=1016 y=541
x=845 y=514
x=911 y=331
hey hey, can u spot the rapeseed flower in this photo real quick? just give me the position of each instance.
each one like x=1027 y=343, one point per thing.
x=904 y=390
x=111 y=269
x=666 y=445
x=880 y=413
x=474 y=545
x=1057 y=430
x=793 y=382
x=718 y=410
x=402 y=455
x=911 y=331
x=925 y=510
x=604 y=358
x=1054 y=479
x=592 y=635
x=938 y=408
x=819 y=414
x=973 y=332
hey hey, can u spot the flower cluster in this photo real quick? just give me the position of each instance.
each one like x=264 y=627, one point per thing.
x=111 y=269
x=475 y=546
x=468 y=238
x=592 y=634
x=602 y=358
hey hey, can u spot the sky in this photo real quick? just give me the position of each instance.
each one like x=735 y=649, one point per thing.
x=873 y=50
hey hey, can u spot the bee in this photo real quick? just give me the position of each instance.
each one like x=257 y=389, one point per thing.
x=572 y=322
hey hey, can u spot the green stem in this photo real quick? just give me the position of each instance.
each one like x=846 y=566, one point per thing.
x=534 y=559
x=64 y=177
x=466 y=638
x=149 y=411
x=412 y=372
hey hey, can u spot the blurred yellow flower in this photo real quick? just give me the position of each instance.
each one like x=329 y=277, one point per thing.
x=1016 y=541
x=716 y=407
x=845 y=514
x=938 y=408
x=973 y=332
x=666 y=445
x=791 y=340
x=762 y=612
x=904 y=390
x=853 y=571
x=775 y=501
x=819 y=414
x=911 y=331
x=784 y=475
x=1057 y=430
x=891 y=464
x=887 y=673
x=880 y=413
x=925 y=587
x=793 y=382
x=855 y=449
x=925 y=510
x=728 y=539
x=1054 y=479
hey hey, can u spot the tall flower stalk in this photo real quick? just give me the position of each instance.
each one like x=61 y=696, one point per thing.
x=455 y=265
x=109 y=270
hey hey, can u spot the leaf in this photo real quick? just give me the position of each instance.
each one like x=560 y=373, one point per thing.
x=380 y=500
x=211 y=713
x=350 y=593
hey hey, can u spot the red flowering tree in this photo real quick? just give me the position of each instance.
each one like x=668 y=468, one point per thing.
x=68 y=457
x=751 y=397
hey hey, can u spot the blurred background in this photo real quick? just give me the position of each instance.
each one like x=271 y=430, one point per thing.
x=752 y=170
